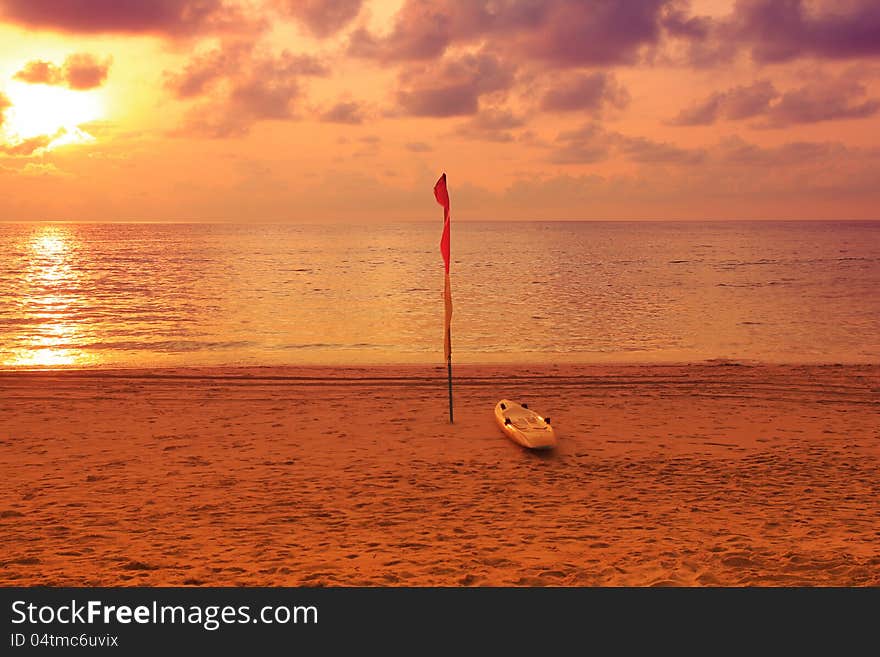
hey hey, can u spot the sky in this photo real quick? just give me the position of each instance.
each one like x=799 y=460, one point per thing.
x=348 y=110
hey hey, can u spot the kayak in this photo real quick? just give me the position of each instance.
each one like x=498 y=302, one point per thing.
x=523 y=426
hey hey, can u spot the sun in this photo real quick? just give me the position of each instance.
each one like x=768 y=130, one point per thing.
x=39 y=109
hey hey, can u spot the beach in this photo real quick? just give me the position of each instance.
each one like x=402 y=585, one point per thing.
x=717 y=473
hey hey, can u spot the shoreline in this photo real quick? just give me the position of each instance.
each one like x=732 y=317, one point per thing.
x=405 y=365
x=701 y=474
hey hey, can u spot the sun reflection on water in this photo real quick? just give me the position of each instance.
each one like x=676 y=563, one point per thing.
x=50 y=295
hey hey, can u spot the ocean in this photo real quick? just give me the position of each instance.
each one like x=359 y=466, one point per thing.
x=126 y=294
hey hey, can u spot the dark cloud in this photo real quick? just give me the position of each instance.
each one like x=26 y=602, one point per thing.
x=696 y=41
x=678 y=23
x=363 y=44
x=240 y=85
x=322 y=18
x=563 y=32
x=744 y=102
x=705 y=112
x=424 y=30
x=599 y=33
x=159 y=17
x=780 y=30
x=586 y=91
x=258 y=98
x=81 y=71
x=452 y=86
x=740 y=102
x=491 y=125
x=344 y=112
x=822 y=100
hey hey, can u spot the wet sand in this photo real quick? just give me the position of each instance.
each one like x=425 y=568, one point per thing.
x=708 y=474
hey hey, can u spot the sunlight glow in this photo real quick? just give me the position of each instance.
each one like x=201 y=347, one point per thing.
x=39 y=109
x=49 y=244
x=51 y=295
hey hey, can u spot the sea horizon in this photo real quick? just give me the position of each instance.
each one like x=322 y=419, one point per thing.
x=433 y=222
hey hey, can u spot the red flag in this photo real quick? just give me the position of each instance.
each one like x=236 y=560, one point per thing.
x=442 y=196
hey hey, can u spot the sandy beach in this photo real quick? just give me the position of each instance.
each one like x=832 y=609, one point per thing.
x=708 y=474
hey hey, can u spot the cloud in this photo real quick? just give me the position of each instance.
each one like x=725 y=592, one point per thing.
x=561 y=32
x=81 y=71
x=586 y=91
x=744 y=102
x=239 y=62
x=773 y=31
x=593 y=143
x=737 y=103
x=171 y=18
x=791 y=178
x=203 y=71
x=424 y=30
x=452 y=86
x=84 y=71
x=737 y=151
x=491 y=125
x=26 y=147
x=599 y=33
x=36 y=170
x=43 y=169
x=822 y=100
x=238 y=86
x=419 y=147
x=344 y=112
x=679 y=24
x=322 y=18
x=590 y=143
x=640 y=149
x=40 y=72
x=705 y=112
x=780 y=30
x=5 y=104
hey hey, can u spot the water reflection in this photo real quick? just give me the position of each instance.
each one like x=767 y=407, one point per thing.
x=149 y=295
x=49 y=297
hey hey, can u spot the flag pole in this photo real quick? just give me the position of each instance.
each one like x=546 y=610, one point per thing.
x=442 y=196
x=449 y=370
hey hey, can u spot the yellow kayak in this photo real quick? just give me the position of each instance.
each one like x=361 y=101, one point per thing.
x=524 y=426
